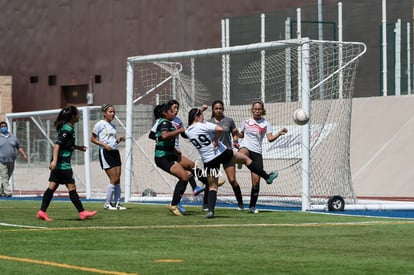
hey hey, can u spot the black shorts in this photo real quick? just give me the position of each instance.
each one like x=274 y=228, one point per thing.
x=61 y=176
x=225 y=165
x=109 y=159
x=213 y=166
x=166 y=162
x=257 y=158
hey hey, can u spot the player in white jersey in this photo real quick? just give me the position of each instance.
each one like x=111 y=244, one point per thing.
x=253 y=131
x=105 y=136
x=205 y=137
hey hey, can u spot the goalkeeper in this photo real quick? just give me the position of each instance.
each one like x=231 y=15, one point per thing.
x=230 y=133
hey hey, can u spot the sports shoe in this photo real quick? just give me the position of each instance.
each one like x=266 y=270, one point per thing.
x=272 y=177
x=86 y=214
x=221 y=182
x=253 y=210
x=240 y=207
x=174 y=210
x=198 y=190
x=109 y=206
x=210 y=215
x=204 y=208
x=42 y=215
x=120 y=207
x=181 y=208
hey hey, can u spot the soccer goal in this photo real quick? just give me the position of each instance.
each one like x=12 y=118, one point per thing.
x=313 y=160
x=36 y=133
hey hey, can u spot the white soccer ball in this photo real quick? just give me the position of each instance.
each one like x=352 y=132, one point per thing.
x=301 y=117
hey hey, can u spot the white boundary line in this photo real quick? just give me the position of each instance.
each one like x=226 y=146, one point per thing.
x=22 y=226
x=215 y=225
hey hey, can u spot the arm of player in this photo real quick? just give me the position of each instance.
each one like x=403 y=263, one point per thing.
x=170 y=134
x=218 y=132
x=236 y=136
x=53 y=163
x=81 y=148
x=271 y=137
x=94 y=140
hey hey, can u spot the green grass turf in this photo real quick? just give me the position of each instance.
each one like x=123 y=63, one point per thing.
x=147 y=239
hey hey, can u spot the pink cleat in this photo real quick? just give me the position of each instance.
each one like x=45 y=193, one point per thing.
x=86 y=214
x=42 y=215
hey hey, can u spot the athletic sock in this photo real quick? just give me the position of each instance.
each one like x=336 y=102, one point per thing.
x=205 y=197
x=110 y=189
x=117 y=193
x=238 y=194
x=74 y=197
x=255 y=168
x=178 y=192
x=212 y=198
x=192 y=182
x=47 y=198
x=254 y=195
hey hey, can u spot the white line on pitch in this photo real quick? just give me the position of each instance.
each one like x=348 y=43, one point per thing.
x=22 y=226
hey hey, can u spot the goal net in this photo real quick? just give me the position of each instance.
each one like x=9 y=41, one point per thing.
x=313 y=160
x=37 y=134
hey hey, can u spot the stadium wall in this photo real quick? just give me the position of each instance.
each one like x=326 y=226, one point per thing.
x=5 y=95
x=54 y=48
x=382 y=154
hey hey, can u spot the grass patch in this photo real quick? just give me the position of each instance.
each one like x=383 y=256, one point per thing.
x=147 y=239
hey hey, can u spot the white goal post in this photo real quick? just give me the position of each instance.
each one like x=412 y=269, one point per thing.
x=36 y=133
x=313 y=160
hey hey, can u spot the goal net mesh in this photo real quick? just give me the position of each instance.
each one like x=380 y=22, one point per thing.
x=238 y=78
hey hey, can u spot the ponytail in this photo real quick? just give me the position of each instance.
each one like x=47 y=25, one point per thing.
x=65 y=115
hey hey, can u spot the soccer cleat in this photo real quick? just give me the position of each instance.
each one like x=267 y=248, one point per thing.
x=210 y=215
x=272 y=177
x=240 y=207
x=181 y=208
x=109 y=206
x=253 y=210
x=198 y=190
x=42 y=215
x=120 y=207
x=174 y=210
x=204 y=208
x=221 y=182
x=86 y=214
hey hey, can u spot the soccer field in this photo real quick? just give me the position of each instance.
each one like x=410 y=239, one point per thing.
x=147 y=239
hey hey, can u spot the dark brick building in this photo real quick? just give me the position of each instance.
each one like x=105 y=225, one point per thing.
x=52 y=48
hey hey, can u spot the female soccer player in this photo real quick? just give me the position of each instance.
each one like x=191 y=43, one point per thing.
x=253 y=130
x=166 y=156
x=104 y=134
x=205 y=137
x=60 y=167
x=230 y=139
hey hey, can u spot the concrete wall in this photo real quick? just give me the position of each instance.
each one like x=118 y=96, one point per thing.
x=5 y=96
x=382 y=150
